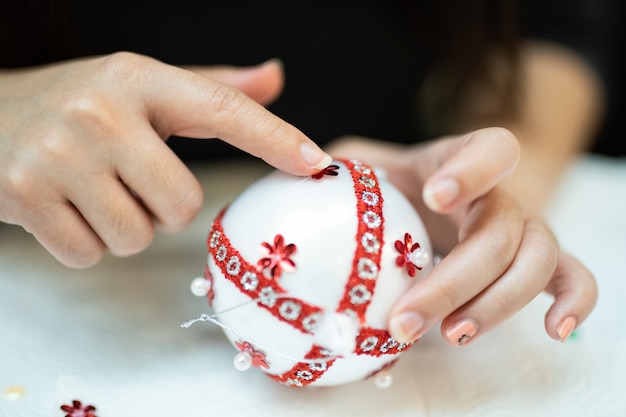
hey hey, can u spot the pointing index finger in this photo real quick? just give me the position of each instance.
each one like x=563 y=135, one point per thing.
x=190 y=105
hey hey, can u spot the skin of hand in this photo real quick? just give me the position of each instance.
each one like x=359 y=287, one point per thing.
x=481 y=196
x=498 y=257
x=84 y=165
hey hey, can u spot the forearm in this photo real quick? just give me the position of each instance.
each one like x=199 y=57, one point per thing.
x=560 y=106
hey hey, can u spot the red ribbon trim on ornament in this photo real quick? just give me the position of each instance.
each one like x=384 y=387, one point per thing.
x=370 y=341
x=305 y=373
x=377 y=342
x=253 y=283
x=369 y=240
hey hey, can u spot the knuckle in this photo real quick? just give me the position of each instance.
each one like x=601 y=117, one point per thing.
x=226 y=100
x=274 y=138
x=544 y=248
x=88 y=110
x=447 y=298
x=77 y=254
x=56 y=149
x=83 y=258
x=275 y=131
x=547 y=257
x=21 y=193
x=185 y=199
x=17 y=184
x=124 y=65
x=91 y=103
x=502 y=305
x=97 y=104
x=503 y=224
x=132 y=233
x=501 y=243
x=187 y=206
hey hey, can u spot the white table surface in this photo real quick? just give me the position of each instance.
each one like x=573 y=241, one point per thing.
x=110 y=335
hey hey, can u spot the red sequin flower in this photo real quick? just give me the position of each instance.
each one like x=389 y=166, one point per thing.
x=277 y=257
x=77 y=409
x=406 y=249
x=257 y=357
x=330 y=170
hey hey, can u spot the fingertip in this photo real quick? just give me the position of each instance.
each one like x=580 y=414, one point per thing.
x=470 y=166
x=500 y=144
x=575 y=295
x=68 y=238
x=440 y=194
x=561 y=327
x=83 y=257
x=314 y=157
x=461 y=332
x=406 y=327
x=274 y=62
x=267 y=82
x=566 y=328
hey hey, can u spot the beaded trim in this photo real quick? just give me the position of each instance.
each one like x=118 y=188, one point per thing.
x=377 y=342
x=302 y=373
x=369 y=239
x=257 y=285
x=370 y=341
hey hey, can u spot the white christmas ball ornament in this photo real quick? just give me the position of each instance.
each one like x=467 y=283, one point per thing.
x=303 y=273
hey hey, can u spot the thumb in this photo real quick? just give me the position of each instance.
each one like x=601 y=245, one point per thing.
x=466 y=167
x=263 y=83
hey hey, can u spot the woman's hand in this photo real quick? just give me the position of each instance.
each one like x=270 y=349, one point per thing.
x=84 y=163
x=498 y=256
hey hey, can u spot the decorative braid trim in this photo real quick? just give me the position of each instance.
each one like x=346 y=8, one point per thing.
x=369 y=240
x=256 y=285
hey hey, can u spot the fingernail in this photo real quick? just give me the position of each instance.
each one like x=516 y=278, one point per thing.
x=272 y=61
x=462 y=331
x=405 y=327
x=314 y=156
x=441 y=194
x=566 y=328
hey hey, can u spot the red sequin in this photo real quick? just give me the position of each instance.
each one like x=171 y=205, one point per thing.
x=330 y=170
x=254 y=284
x=277 y=257
x=77 y=409
x=257 y=357
x=406 y=249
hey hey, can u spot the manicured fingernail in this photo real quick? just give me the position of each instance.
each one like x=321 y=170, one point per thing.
x=314 y=156
x=441 y=194
x=566 y=328
x=405 y=327
x=462 y=331
x=272 y=61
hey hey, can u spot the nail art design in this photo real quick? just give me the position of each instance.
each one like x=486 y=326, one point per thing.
x=462 y=331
